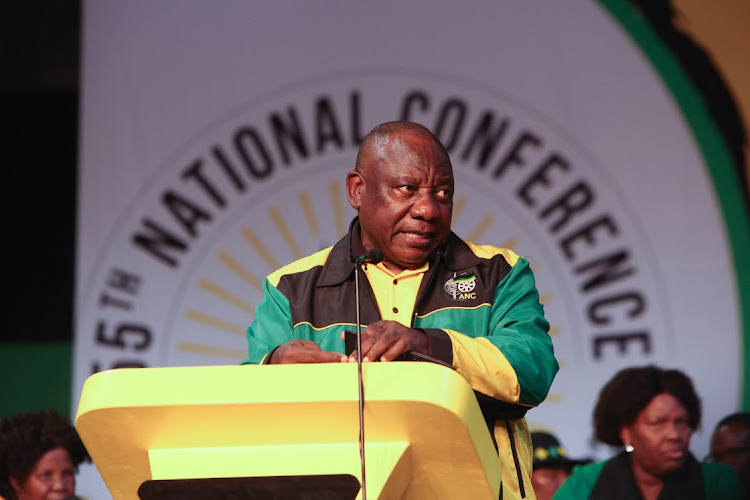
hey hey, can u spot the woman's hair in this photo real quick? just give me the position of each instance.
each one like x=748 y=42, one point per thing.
x=631 y=390
x=26 y=437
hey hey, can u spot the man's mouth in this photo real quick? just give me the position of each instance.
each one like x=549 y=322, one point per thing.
x=418 y=238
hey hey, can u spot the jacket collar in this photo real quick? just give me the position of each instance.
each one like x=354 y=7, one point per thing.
x=617 y=482
x=454 y=253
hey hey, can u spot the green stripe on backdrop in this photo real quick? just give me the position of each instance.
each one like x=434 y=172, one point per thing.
x=716 y=157
x=35 y=376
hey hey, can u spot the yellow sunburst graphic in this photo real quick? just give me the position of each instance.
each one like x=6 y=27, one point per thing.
x=277 y=220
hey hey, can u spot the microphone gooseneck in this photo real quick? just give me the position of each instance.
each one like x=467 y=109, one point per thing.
x=371 y=257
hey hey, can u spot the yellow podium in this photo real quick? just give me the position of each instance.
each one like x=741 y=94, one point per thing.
x=274 y=431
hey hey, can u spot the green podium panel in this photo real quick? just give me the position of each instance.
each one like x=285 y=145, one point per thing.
x=155 y=427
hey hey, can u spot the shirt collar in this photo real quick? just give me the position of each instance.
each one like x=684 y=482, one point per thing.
x=339 y=266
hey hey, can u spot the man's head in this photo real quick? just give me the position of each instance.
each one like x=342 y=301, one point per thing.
x=730 y=445
x=402 y=189
x=551 y=465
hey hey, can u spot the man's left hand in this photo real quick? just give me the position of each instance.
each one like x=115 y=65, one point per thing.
x=386 y=340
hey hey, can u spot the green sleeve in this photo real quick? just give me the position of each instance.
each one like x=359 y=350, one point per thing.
x=520 y=331
x=272 y=325
x=721 y=483
x=515 y=327
x=580 y=483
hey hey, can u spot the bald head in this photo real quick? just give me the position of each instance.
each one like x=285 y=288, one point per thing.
x=375 y=144
x=402 y=190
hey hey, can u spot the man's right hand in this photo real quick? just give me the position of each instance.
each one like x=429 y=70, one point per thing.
x=304 y=351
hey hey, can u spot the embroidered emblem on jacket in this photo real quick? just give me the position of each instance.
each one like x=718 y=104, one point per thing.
x=461 y=288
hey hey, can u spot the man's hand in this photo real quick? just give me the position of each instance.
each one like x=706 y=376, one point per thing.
x=387 y=340
x=303 y=351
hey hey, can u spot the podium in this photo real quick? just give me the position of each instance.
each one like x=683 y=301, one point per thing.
x=287 y=431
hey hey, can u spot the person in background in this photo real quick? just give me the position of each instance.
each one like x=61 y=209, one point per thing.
x=730 y=445
x=40 y=452
x=652 y=413
x=551 y=465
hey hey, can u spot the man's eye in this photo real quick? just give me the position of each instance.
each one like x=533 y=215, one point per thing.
x=445 y=194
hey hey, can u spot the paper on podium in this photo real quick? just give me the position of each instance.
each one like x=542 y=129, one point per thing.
x=424 y=433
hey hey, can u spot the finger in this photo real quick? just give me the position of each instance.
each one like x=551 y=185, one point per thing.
x=384 y=335
x=379 y=347
x=366 y=340
x=327 y=357
x=366 y=343
x=296 y=351
x=395 y=351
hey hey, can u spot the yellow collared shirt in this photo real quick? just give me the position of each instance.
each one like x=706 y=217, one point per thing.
x=395 y=293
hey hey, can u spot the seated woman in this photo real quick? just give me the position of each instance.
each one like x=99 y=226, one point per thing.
x=653 y=414
x=40 y=452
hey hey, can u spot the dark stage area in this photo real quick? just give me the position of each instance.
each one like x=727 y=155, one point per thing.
x=39 y=55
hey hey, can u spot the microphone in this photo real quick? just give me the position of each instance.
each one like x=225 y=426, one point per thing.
x=373 y=256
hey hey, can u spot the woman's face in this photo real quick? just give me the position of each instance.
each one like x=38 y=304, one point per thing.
x=660 y=436
x=52 y=478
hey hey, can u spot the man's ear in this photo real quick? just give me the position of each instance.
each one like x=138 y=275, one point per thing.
x=355 y=185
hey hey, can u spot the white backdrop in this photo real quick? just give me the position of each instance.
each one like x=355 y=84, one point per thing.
x=216 y=137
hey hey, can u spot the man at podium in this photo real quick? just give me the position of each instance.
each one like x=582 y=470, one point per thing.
x=473 y=307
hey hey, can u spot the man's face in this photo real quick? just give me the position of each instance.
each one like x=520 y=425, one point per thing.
x=547 y=480
x=404 y=197
x=730 y=445
x=52 y=478
x=660 y=436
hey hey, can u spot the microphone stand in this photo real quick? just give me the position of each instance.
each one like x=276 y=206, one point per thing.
x=357 y=270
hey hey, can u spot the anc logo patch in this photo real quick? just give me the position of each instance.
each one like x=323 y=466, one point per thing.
x=461 y=288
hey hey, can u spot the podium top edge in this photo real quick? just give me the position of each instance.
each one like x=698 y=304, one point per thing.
x=240 y=384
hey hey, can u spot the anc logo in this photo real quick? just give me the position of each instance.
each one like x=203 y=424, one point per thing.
x=461 y=288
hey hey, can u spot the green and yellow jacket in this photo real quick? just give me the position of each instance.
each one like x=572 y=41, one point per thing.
x=478 y=305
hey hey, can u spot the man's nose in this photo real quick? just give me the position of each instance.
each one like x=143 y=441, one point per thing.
x=425 y=207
